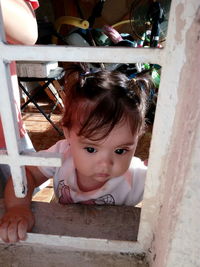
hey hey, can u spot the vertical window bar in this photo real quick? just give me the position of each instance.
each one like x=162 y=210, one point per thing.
x=2 y=32
x=11 y=132
x=9 y=121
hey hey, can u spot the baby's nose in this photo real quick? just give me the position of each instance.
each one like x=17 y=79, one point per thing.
x=106 y=161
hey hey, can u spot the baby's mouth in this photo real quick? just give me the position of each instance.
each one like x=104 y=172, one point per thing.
x=103 y=175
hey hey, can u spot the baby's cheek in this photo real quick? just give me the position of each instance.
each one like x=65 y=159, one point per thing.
x=126 y=163
x=121 y=167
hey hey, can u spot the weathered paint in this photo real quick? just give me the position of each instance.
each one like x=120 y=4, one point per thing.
x=63 y=231
x=177 y=240
x=52 y=256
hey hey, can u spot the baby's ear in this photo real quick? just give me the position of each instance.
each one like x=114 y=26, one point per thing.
x=66 y=132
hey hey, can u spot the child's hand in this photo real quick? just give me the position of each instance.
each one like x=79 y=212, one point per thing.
x=15 y=223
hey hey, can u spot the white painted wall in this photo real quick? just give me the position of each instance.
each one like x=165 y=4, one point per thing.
x=172 y=200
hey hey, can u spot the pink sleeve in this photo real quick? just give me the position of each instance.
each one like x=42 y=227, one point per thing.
x=34 y=3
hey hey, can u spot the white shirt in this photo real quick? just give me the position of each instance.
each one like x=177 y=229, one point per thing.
x=123 y=190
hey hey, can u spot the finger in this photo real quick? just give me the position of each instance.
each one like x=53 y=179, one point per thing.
x=22 y=229
x=3 y=231
x=12 y=232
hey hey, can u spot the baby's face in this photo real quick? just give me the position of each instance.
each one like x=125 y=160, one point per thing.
x=98 y=161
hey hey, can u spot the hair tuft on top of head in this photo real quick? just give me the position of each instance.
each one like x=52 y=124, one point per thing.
x=97 y=102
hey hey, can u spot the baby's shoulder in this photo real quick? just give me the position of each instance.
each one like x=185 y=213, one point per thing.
x=137 y=163
x=60 y=147
x=137 y=170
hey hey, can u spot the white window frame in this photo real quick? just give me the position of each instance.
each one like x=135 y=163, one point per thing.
x=172 y=60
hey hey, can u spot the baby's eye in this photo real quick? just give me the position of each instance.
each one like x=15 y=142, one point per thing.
x=120 y=151
x=90 y=149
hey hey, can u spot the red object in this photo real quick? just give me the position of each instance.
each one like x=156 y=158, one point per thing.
x=34 y=3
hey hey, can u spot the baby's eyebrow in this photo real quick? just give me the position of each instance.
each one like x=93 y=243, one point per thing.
x=126 y=144
x=86 y=141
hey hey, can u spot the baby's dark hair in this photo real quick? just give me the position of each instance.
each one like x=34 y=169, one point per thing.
x=97 y=102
